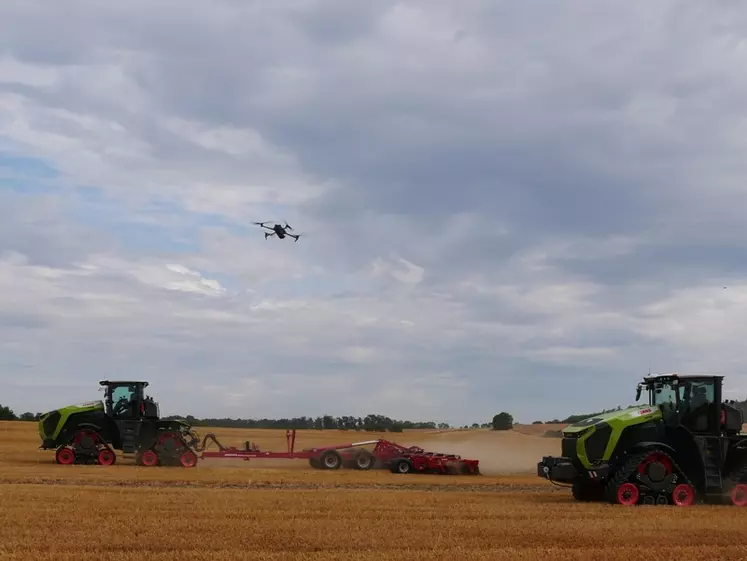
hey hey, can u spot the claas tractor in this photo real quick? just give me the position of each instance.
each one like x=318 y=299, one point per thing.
x=127 y=420
x=684 y=446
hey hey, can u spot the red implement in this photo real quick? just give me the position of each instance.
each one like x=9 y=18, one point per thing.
x=385 y=455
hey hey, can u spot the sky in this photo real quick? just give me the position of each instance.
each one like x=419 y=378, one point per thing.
x=504 y=206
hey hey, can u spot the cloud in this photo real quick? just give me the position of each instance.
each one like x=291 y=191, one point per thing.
x=503 y=207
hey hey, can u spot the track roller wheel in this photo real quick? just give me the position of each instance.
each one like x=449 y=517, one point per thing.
x=65 y=456
x=106 y=457
x=627 y=494
x=739 y=495
x=683 y=495
x=148 y=458
x=188 y=459
x=331 y=459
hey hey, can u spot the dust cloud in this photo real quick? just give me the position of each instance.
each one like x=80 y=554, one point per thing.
x=505 y=453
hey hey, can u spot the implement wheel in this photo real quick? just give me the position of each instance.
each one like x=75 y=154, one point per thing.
x=401 y=466
x=331 y=459
x=364 y=460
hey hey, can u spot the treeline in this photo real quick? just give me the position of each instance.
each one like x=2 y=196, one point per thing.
x=7 y=414
x=371 y=422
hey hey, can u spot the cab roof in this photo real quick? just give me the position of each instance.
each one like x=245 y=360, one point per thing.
x=121 y=382
x=677 y=376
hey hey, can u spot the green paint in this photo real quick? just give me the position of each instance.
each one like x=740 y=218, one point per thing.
x=618 y=422
x=65 y=413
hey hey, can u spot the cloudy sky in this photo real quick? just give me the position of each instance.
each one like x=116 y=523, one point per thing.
x=517 y=206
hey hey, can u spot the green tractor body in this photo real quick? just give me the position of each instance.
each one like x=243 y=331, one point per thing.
x=127 y=420
x=684 y=446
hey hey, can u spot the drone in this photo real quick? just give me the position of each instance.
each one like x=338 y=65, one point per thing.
x=278 y=230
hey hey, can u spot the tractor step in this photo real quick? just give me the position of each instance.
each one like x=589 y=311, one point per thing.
x=713 y=481
x=130 y=433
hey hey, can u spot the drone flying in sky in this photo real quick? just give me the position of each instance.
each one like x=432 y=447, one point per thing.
x=278 y=230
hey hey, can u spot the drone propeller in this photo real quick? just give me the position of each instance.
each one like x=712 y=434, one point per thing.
x=287 y=226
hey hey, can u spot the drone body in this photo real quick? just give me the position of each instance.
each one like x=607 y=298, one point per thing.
x=278 y=230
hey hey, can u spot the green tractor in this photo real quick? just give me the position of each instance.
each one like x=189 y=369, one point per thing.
x=685 y=446
x=126 y=420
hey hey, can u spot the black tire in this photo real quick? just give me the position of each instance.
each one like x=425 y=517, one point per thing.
x=401 y=466
x=364 y=461
x=331 y=459
x=315 y=463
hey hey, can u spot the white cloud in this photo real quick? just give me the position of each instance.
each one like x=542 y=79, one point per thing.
x=474 y=239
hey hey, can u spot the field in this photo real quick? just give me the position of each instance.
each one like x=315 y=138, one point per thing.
x=234 y=510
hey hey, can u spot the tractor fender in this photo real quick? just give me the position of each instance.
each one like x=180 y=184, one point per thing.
x=70 y=429
x=641 y=446
x=91 y=426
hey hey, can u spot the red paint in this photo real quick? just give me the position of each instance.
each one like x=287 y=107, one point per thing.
x=384 y=450
x=627 y=494
x=739 y=495
x=683 y=495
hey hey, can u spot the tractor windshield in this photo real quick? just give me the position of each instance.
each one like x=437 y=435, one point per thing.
x=663 y=393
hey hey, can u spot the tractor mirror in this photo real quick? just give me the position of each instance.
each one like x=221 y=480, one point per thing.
x=638 y=392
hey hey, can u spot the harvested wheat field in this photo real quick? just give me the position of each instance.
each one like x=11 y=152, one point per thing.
x=285 y=510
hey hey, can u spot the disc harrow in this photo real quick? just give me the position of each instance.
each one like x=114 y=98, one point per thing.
x=384 y=455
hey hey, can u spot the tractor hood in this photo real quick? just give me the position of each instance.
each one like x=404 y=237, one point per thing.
x=637 y=414
x=84 y=406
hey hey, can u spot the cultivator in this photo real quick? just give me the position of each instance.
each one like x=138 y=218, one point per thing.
x=354 y=455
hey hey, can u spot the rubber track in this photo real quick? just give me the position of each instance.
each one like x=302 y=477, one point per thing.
x=629 y=468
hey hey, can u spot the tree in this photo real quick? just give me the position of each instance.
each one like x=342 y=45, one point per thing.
x=7 y=414
x=503 y=421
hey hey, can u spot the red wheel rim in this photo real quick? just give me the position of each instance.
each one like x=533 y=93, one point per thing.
x=739 y=495
x=188 y=459
x=65 y=456
x=627 y=494
x=149 y=458
x=655 y=457
x=106 y=457
x=683 y=495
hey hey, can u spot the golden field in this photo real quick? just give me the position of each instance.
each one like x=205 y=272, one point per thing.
x=225 y=509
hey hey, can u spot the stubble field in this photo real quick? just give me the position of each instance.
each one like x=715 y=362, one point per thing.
x=234 y=510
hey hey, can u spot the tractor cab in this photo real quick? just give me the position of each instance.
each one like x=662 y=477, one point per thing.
x=127 y=400
x=692 y=401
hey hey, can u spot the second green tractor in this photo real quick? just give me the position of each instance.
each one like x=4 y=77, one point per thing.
x=685 y=446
